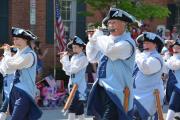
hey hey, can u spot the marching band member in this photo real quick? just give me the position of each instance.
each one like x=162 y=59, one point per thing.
x=92 y=67
x=22 y=104
x=147 y=75
x=7 y=85
x=114 y=54
x=174 y=65
x=75 y=68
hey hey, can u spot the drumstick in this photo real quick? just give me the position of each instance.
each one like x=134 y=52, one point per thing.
x=158 y=104
x=70 y=98
x=126 y=98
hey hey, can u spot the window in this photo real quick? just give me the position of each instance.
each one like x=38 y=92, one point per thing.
x=68 y=12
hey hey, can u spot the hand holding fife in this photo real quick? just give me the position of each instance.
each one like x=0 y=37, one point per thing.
x=62 y=54
x=6 y=47
x=96 y=34
x=169 y=42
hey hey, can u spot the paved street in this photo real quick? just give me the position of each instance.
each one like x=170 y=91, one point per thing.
x=56 y=114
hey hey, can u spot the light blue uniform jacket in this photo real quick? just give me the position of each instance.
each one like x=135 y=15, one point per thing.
x=144 y=86
x=76 y=68
x=114 y=71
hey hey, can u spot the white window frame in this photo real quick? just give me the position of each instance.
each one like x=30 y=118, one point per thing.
x=72 y=20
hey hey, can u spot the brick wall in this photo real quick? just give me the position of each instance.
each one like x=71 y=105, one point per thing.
x=96 y=17
x=19 y=13
x=19 y=16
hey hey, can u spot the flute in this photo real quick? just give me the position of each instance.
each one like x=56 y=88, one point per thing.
x=12 y=46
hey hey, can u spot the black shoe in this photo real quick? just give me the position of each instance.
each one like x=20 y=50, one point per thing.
x=177 y=118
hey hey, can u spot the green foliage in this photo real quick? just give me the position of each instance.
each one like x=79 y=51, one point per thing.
x=98 y=4
x=145 y=11
x=139 y=9
x=85 y=13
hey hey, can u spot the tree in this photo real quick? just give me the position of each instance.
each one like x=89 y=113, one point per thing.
x=137 y=8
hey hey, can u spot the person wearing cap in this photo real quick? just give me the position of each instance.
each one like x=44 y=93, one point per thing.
x=75 y=67
x=167 y=35
x=147 y=76
x=168 y=76
x=114 y=54
x=90 y=29
x=174 y=33
x=174 y=65
x=22 y=104
x=92 y=67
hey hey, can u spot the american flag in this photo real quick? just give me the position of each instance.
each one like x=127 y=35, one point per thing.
x=59 y=29
x=50 y=80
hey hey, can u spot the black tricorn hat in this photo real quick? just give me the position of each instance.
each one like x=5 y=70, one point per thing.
x=118 y=14
x=151 y=37
x=21 y=33
x=76 y=41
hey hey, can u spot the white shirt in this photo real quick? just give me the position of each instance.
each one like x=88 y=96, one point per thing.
x=75 y=64
x=10 y=64
x=146 y=63
x=106 y=44
x=173 y=62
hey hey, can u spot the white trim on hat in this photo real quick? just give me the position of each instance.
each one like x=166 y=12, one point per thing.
x=118 y=13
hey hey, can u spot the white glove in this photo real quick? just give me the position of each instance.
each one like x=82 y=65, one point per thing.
x=3 y=116
x=96 y=34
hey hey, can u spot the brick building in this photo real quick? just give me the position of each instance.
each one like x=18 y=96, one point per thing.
x=76 y=24
x=36 y=15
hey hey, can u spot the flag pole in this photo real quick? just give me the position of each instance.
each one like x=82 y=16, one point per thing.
x=54 y=10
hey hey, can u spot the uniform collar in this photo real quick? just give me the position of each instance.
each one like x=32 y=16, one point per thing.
x=81 y=53
x=120 y=37
x=24 y=49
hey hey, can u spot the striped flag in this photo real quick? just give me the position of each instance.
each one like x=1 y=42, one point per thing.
x=51 y=81
x=59 y=29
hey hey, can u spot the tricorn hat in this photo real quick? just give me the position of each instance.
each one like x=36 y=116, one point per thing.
x=21 y=33
x=76 y=41
x=151 y=37
x=118 y=14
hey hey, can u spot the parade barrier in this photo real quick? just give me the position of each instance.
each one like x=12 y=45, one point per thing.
x=126 y=98
x=158 y=104
x=70 y=98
